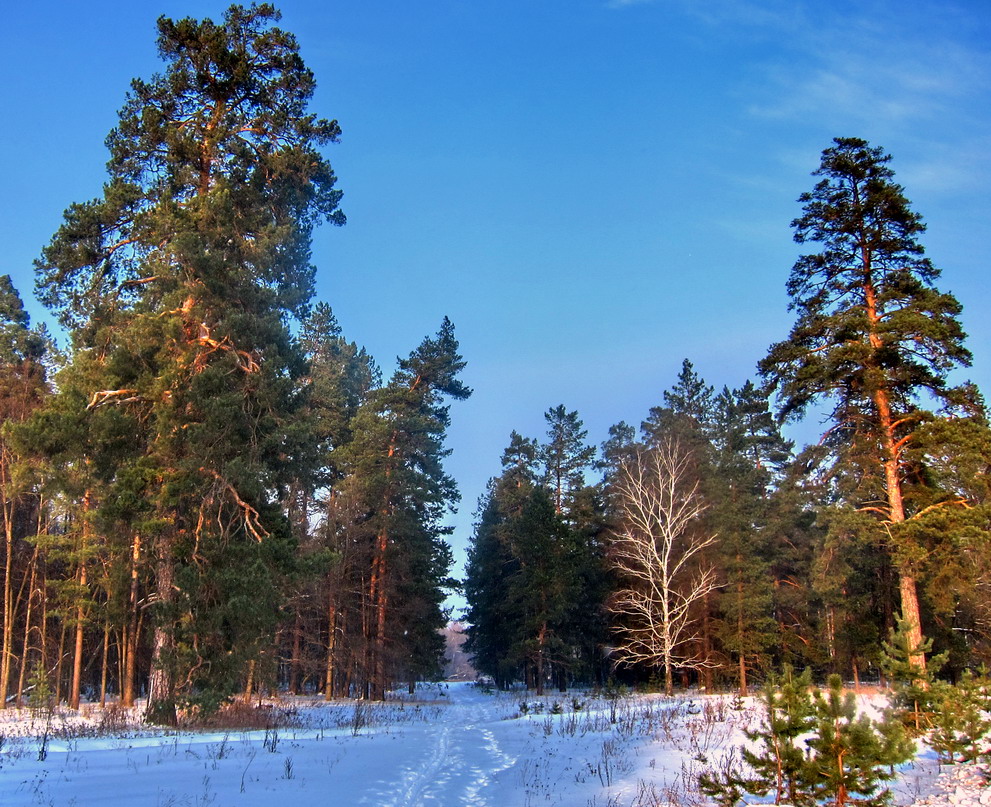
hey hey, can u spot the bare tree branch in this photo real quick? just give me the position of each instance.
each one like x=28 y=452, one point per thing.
x=658 y=551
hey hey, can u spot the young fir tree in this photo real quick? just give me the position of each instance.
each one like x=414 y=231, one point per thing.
x=814 y=748
x=776 y=763
x=961 y=730
x=177 y=284
x=852 y=755
x=873 y=337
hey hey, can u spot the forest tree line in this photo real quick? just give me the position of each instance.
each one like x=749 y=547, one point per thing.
x=709 y=548
x=214 y=492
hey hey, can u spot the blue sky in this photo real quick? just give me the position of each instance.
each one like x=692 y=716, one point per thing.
x=592 y=190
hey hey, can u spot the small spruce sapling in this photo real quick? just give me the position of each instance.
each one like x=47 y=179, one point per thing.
x=852 y=755
x=914 y=697
x=962 y=722
x=779 y=763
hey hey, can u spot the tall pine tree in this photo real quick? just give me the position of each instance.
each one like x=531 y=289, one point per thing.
x=178 y=283
x=874 y=339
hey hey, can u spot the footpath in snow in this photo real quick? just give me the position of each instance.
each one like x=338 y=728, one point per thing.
x=452 y=745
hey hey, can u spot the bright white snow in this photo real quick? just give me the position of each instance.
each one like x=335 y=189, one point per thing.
x=450 y=746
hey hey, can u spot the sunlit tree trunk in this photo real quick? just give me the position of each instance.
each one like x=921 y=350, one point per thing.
x=131 y=631
x=77 y=659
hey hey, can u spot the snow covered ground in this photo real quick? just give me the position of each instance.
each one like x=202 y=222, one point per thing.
x=451 y=745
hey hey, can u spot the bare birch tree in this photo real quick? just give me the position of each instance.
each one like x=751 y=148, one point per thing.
x=657 y=551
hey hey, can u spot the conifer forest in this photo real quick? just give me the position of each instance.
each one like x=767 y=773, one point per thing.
x=208 y=490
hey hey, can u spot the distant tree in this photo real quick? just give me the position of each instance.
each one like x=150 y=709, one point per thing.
x=492 y=615
x=566 y=456
x=536 y=577
x=873 y=337
x=396 y=461
x=658 y=554
x=687 y=413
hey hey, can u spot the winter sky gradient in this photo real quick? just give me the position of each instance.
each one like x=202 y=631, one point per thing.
x=592 y=190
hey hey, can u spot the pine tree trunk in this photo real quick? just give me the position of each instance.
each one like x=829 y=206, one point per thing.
x=381 y=605
x=77 y=661
x=294 y=660
x=7 y=650
x=740 y=633
x=249 y=686
x=58 y=663
x=131 y=645
x=707 y=679
x=161 y=684
x=26 y=644
x=892 y=481
x=541 y=638
x=77 y=656
x=103 y=666
x=331 y=649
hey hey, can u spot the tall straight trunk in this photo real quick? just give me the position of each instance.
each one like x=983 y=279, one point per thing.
x=120 y=639
x=740 y=634
x=161 y=681
x=77 y=660
x=58 y=662
x=380 y=600
x=892 y=478
x=329 y=692
x=44 y=620
x=541 y=640
x=103 y=666
x=77 y=654
x=831 y=635
x=131 y=644
x=7 y=649
x=249 y=686
x=707 y=677
x=26 y=644
x=294 y=661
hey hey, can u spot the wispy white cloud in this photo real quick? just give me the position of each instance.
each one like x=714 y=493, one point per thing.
x=872 y=82
x=916 y=85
